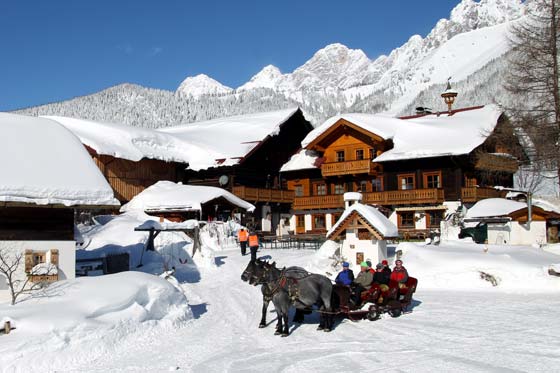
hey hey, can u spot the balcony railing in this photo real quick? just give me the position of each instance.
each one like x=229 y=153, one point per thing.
x=263 y=195
x=394 y=197
x=364 y=166
x=318 y=202
x=405 y=197
x=474 y=194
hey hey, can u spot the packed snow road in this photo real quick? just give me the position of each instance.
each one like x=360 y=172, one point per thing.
x=447 y=331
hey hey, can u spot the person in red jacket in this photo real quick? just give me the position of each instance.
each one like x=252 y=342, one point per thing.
x=399 y=273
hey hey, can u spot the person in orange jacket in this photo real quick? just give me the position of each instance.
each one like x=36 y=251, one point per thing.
x=253 y=245
x=243 y=236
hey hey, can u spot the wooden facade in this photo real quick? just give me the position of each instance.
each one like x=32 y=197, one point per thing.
x=347 y=152
x=256 y=178
x=128 y=178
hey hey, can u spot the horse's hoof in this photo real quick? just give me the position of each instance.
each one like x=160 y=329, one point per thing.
x=320 y=327
x=285 y=335
x=277 y=333
x=262 y=325
x=327 y=330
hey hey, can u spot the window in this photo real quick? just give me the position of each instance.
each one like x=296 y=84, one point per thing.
x=321 y=189
x=340 y=156
x=406 y=219
x=377 y=184
x=335 y=218
x=432 y=180
x=298 y=190
x=300 y=221
x=406 y=182
x=318 y=221
x=363 y=186
x=371 y=153
x=338 y=188
x=359 y=154
x=434 y=218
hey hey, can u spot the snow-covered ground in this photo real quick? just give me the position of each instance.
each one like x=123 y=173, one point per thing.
x=459 y=321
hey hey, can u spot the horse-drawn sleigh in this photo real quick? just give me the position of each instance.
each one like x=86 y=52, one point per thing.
x=376 y=301
x=294 y=286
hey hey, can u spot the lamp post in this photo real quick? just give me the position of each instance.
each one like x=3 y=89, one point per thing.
x=449 y=96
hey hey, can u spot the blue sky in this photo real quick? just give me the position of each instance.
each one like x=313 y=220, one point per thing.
x=56 y=50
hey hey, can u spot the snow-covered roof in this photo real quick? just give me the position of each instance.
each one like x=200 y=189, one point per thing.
x=43 y=163
x=372 y=216
x=423 y=136
x=491 y=207
x=135 y=143
x=166 y=195
x=302 y=160
x=234 y=137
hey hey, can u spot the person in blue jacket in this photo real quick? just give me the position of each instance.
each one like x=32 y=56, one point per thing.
x=346 y=276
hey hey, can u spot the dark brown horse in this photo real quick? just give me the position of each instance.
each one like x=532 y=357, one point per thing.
x=292 y=286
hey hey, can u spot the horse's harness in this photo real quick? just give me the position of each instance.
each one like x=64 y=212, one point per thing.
x=291 y=282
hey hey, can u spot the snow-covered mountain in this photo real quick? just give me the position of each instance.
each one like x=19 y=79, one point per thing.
x=337 y=78
x=199 y=85
x=268 y=77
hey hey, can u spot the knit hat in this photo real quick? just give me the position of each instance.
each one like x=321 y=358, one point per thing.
x=345 y=264
x=379 y=266
x=384 y=262
x=364 y=264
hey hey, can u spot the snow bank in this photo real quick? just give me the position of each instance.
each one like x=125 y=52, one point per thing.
x=117 y=235
x=90 y=316
x=457 y=266
x=43 y=163
x=166 y=195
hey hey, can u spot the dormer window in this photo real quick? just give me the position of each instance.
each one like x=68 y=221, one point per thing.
x=340 y=156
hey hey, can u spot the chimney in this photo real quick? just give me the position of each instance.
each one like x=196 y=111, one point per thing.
x=449 y=96
x=351 y=198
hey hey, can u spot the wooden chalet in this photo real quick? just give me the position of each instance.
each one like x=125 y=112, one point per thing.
x=254 y=147
x=413 y=168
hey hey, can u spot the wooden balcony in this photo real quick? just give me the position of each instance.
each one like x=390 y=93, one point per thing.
x=405 y=197
x=474 y=194
x=364 y=166
x=394 y=197
x=263 y=195
x=318 y=202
